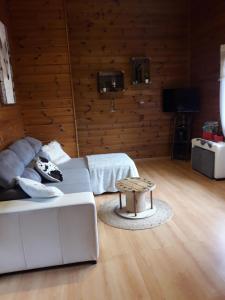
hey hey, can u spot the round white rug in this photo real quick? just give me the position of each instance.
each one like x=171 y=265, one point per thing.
x=107 y=214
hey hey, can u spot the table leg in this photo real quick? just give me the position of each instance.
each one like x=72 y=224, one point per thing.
x=135 y=206
x=120 y=194
x=151 y=199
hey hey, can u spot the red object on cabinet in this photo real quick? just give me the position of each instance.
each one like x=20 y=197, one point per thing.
x=218 y=138
x=207 y=135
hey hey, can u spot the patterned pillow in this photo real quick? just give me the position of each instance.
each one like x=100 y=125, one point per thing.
x=48 y=170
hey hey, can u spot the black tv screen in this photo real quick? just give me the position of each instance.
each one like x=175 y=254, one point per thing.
x=181 y=100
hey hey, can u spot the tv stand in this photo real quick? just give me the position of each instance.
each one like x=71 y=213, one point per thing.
x=181 y=136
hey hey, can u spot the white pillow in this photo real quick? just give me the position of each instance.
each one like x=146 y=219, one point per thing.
x=56 y=153
x=38 y=190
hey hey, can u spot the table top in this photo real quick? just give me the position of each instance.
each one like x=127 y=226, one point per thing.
x=135 y=184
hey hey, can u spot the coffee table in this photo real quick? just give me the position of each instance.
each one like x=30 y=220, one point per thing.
x=137 y=204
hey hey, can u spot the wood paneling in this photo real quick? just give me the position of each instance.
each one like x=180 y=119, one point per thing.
x=11 y=127
x=43 y=76
x=207 y=34
x=103 y=36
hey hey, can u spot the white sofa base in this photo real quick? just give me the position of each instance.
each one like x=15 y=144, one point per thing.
x=38 y=233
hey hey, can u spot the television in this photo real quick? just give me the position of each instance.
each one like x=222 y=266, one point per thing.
x=181 y=100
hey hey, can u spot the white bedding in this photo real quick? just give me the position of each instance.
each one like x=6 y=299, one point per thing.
x=106 y=169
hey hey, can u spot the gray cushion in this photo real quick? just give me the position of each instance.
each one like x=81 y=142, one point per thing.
x=74 y=163
x=23 y=150
x=12 y=194
x=10 y=167
x=31 y=174
x=36 y=144
x=74 y=181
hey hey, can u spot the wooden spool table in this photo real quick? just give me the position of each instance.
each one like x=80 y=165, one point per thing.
x=137 y=204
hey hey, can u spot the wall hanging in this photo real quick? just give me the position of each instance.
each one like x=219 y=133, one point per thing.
x=110 y=82
x=140 y=70
x=6 y=81
x=110 y=86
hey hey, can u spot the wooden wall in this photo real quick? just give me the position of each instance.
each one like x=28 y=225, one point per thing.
x=11 y=127
x=104 y=34
x=207 y=34
x=43 y=78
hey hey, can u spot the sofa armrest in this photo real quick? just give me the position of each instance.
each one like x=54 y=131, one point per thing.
x=32 y=204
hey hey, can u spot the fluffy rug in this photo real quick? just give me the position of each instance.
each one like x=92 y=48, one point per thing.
x=107 y=214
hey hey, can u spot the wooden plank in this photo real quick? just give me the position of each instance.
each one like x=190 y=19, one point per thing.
x=42 y=71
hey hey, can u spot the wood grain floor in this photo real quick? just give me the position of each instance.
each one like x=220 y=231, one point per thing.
x=183 y=259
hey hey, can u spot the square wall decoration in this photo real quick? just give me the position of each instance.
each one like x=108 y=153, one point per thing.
x=140 y=70
x=7 y=95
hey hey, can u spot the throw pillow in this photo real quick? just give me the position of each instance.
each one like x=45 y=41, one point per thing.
x=41 y=153
x=38 y=190
x=56 y=153
x=48 y=170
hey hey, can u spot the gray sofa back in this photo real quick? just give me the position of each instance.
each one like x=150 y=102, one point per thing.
x=10 y=167
x=14 y=160
x=23 y=150
x=36 y=144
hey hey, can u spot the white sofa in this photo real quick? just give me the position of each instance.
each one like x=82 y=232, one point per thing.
x=41 y=233
x=38 y=233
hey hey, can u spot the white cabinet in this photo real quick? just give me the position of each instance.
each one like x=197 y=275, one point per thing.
x=208 y=158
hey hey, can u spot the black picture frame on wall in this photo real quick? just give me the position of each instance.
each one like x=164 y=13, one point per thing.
x=140 y=73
